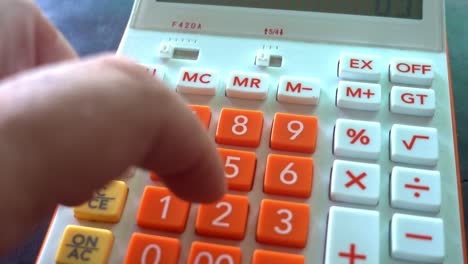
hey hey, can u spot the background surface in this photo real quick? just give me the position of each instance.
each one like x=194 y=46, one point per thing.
x=97 y=26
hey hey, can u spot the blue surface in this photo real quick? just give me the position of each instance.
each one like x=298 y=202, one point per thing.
x=97 y=26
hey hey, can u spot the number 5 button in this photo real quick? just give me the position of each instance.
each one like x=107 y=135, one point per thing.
x=239 y=168
x=226 y=218
x=239 y=127
x=283 y=223
x=294 y=133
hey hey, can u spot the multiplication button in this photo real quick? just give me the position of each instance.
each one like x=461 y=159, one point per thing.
x=414 y=145
x=415 y=189
x=357 y=139
x=352 y=236
x=355 y=182
x=417 y=238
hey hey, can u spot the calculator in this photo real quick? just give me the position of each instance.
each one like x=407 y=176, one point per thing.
x=335 y=123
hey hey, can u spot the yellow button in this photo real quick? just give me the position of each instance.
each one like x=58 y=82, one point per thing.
x=106 y=205
x=84 y=245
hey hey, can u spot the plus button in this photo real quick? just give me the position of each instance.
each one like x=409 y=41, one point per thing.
x=352 y=255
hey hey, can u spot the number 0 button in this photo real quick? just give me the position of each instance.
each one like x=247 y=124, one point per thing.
x=239 y=127
x=145 y=248
x=283 y=223
x=294 y=133
x=226 y=218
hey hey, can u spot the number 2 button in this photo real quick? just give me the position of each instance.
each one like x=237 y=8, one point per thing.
x=239 y=127
x=294 y=133
x=226 y=218
x=283 y=223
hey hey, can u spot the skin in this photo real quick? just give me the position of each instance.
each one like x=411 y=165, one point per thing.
x=69 y=126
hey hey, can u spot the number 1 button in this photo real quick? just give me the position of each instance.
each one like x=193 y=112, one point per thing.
x=294 y=133
x=239 y=127
x=162 y=210
x=225 y=219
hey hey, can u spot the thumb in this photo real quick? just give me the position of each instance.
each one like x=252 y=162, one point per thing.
x=66 y=130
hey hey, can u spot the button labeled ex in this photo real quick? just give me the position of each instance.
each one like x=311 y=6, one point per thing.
x=359 y=67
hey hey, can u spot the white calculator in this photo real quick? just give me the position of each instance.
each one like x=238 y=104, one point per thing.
x=335 y=122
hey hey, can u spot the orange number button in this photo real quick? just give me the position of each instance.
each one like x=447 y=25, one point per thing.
x=203 y=112
x=152 y=249
x=288 y=175
x=154 y=176
x=239 y=168
x=239 y=127
x=271 y=257
x=283 y=223
x=162 y=210
x=294 y=133
x=204 y=253
x=226 y=219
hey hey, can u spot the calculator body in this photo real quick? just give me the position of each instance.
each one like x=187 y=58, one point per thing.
x=330 y=48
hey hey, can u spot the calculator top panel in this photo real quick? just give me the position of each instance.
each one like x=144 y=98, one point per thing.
x=418 y=29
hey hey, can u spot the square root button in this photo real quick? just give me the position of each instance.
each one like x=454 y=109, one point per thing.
x=417 y=238
x=357 y=139
x=414 y=145
x=355 y=182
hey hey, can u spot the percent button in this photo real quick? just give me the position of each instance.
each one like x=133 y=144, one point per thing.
x=357 y=139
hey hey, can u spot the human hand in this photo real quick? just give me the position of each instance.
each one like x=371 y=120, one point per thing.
x=69 y=126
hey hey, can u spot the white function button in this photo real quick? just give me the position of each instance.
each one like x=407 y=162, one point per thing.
x=357 y=139
x=414 y=145
x=411 y=72
x=157 y=71
x=247 y=85
x=352 y=236
x=412 y=101
x=415 y=189
x=360 y=96
x=359 y=67
x=197 y=81
x=166 y=50
x=355 y=182
x=417 y=238
x=298 y=90
x=263 y=58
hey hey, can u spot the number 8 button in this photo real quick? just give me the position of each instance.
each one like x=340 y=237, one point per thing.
x=239 y=127
x=294 y=133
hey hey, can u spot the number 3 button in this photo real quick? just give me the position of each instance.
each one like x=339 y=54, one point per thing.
x=226 y=218
x=239 y=127
x=283 y=223
x=294 y=133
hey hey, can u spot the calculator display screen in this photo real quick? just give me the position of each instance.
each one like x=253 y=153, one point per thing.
x=412 y=9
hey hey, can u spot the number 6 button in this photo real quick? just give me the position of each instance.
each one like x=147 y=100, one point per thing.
x=288 y=175
x=294 y=133
x=283 y=223
x=239 y=127
x=226 y=218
